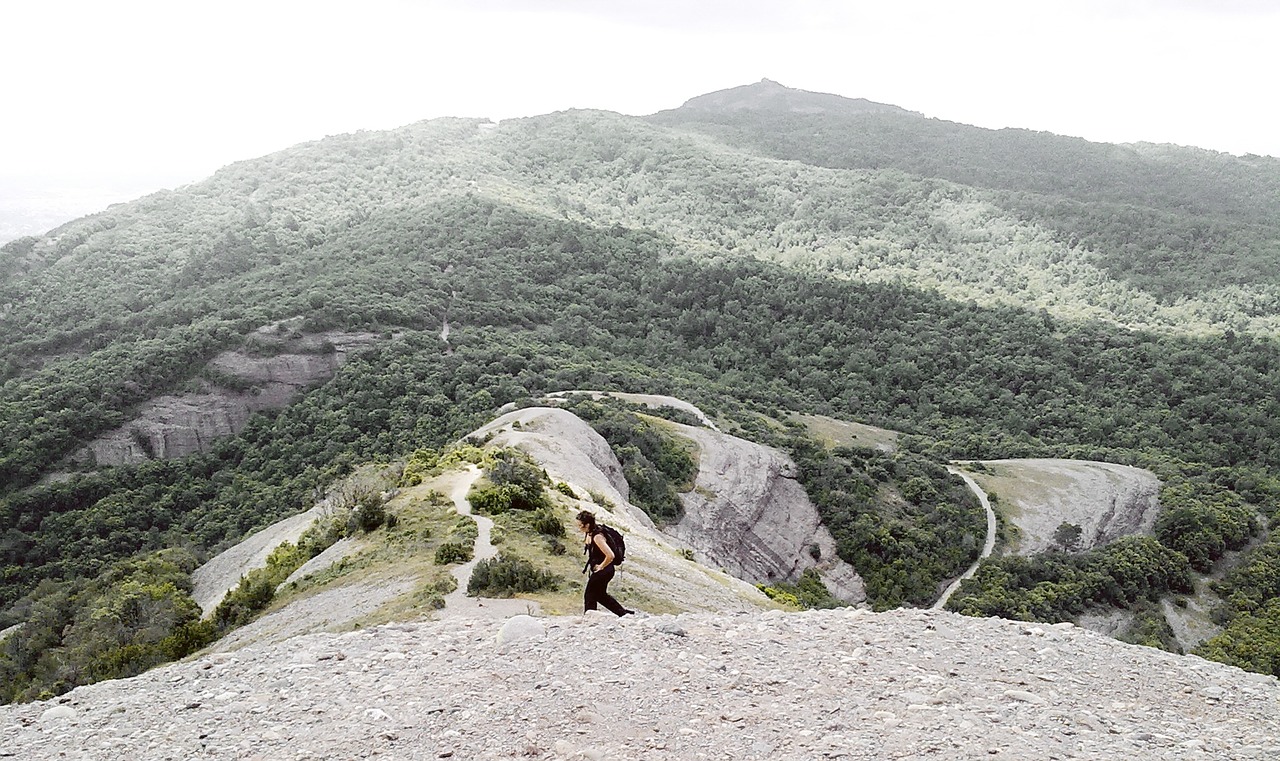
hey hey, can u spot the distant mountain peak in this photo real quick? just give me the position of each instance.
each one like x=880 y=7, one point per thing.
x=768 y=95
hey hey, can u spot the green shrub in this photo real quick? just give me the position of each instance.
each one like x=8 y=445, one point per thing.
x=437 y=498
x=546 y=523
x=422 y=464
x=368 y=513
x=808 y=593
x=489 y=499
x=506 y=576
x=511 y=466
x=512 y=482
x=780 y=595
x=1251 y=641
x=467 y=454
x=453 y=552
x=136 y=614
x=254 y=593
x=285 y=559
x=1054 y=587
x=565 y=489
x=464 y=528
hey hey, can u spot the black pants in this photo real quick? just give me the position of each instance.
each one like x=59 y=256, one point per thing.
x=598 y=592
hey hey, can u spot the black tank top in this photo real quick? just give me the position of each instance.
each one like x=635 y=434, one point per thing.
x=595 y=556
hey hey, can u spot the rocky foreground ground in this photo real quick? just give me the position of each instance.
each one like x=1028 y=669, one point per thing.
x=822 y=684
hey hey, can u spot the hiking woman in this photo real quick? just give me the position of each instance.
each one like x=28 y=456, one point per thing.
x=600 y=563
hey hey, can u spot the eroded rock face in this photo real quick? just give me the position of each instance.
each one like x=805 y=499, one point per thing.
x=1106 y=500
x=175 y=426
x=749 y=515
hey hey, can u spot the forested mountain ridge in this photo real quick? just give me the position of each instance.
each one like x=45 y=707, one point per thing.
x=1175 y=224
x=591 y=250
x=858 y=134
x=1155 y=236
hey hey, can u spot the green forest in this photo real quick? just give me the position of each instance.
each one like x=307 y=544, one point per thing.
x=720 y=259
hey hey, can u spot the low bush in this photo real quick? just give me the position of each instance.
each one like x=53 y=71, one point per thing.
x=808 y=593
x=546 y=523
x=422 y=464
x=506 y=576
x=453 y=552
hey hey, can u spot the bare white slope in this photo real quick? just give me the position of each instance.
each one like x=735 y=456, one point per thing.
x=222 y=573
x=1105 y=500
x=823 y=684
x=749 y=515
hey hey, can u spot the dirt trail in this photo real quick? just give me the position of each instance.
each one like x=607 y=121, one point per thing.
x=986 y=548
x=457 y=602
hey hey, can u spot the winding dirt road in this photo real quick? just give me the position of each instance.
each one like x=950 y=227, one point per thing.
x=986 y=549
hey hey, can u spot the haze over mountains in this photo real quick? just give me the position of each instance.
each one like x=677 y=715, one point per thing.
x=760 y=251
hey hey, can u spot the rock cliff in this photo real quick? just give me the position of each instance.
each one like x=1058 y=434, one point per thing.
x=173 y=426
x=749 y=515
x=1107 y=501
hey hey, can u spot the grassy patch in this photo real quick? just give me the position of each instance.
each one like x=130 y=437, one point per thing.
x=425 y=520
x=841 y=433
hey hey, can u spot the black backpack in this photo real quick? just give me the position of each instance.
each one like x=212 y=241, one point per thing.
x=614 y=539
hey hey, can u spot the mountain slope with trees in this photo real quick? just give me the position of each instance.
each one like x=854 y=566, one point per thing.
x=1173 y=222
x=593 y=250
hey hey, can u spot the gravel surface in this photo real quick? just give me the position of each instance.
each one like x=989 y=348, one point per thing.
x=822 y=684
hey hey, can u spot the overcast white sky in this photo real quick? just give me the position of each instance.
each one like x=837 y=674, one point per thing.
x=140 y=95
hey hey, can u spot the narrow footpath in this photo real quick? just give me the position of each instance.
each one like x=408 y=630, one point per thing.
x=986 y=549
x=457 y=601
